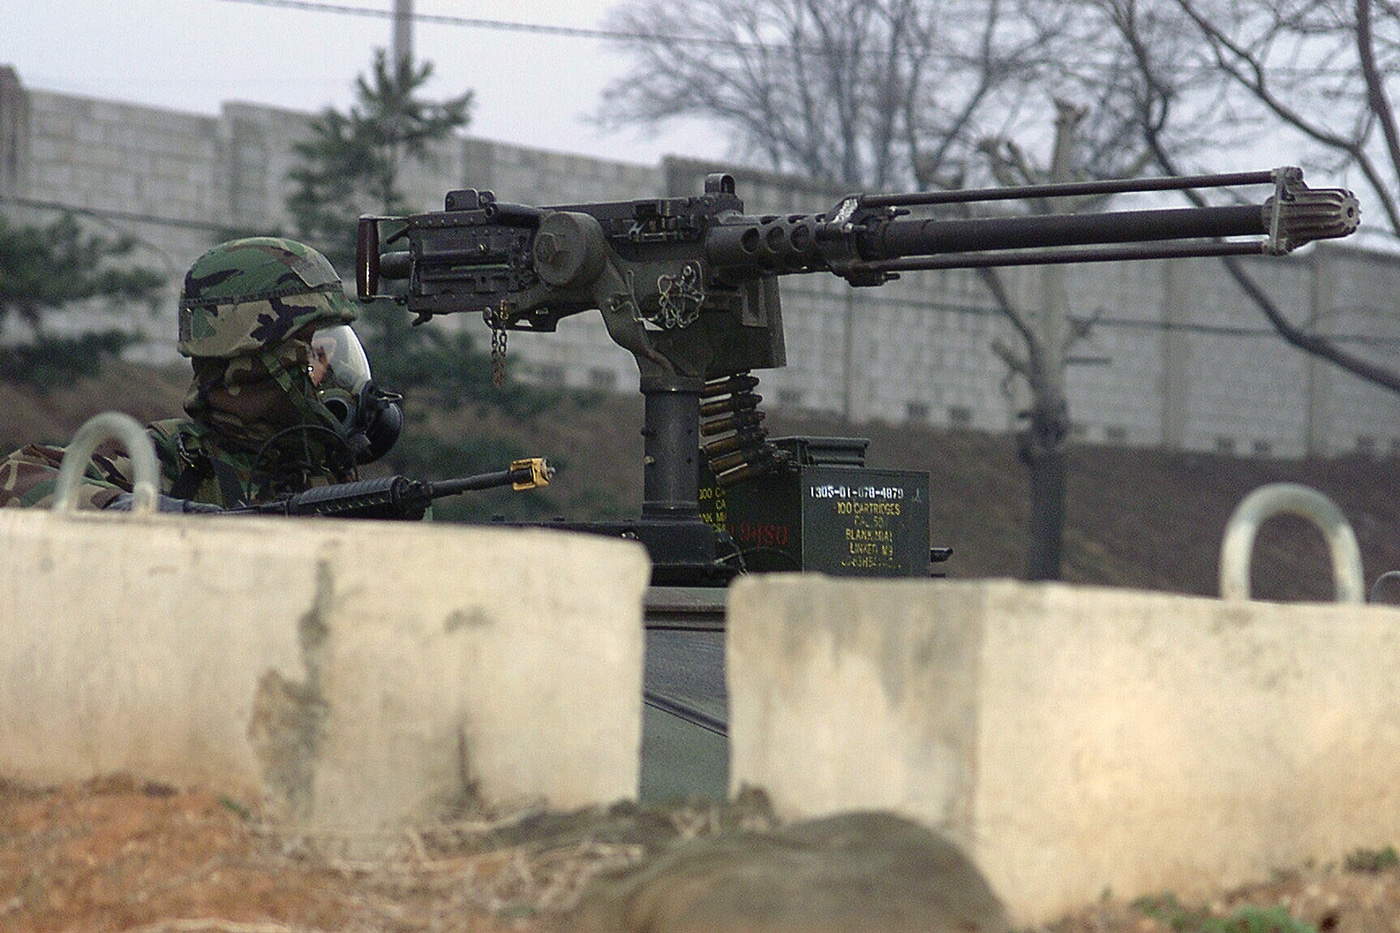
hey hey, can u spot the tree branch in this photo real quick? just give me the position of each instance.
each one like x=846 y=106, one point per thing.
x=1375 y=84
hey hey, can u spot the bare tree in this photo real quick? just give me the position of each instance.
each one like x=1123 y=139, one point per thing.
x=858 y=92
x=1315 y=72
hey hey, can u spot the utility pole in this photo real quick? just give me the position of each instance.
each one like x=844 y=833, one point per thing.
x=403 y=31
x=1047 y=335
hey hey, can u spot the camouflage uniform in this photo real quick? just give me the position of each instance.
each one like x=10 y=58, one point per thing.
x=27 y=477
x=258 y=426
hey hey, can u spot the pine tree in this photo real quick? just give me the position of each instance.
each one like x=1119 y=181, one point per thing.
x=45 y=269
x=353 y=161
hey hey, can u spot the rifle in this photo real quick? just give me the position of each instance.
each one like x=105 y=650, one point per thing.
x=397 y=497
x=688 y=285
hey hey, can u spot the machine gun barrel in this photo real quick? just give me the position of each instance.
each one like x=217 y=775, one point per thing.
x=868 y=239
x=1031 y=239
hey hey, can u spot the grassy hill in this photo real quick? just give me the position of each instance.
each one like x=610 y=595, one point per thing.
x=1137 y=518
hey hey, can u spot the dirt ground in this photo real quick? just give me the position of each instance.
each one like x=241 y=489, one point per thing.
x=118 y=856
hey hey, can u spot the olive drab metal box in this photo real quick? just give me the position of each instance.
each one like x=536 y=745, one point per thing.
x=826 y=512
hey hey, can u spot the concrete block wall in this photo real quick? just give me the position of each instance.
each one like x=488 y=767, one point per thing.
x=1235 y=378
x=123 y=156
x=1073 y=740
x=351 y=676
x=1179 y=358
x=1355 y=296
x=933 y=365
x=152 y=174
x=256 y=158
x=1117 y=385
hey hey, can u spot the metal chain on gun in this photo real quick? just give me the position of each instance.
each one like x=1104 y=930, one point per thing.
x=681 y=297
x=498 y=349
x=729 y=413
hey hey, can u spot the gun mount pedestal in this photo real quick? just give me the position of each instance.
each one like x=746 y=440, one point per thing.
x=671 y=449
x=685 y=551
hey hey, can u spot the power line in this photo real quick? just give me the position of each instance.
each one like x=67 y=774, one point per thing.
x=573 y=32
x=1225 y=330
x=581 y=32
x=111 y=218
x=108 y=214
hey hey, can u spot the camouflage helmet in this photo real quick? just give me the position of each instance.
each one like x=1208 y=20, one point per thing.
x=251 y=294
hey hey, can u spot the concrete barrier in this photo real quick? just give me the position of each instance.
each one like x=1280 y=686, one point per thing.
x=353 y=675
x=1074 y=740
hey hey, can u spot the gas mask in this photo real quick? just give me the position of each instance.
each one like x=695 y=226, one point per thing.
x=368 y=417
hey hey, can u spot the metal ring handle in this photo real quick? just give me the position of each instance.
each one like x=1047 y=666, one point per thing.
x=1237 y=548
x=109 y=426
x=1387 y=577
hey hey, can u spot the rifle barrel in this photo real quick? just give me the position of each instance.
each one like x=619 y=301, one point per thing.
x=451 y=487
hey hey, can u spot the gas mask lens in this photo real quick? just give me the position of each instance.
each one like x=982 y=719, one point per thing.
x=337 y=360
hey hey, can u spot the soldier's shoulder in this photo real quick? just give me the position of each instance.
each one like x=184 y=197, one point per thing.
x=43 y=455
x=28 y=477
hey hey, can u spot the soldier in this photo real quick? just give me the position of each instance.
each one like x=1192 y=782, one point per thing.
x=281 y=398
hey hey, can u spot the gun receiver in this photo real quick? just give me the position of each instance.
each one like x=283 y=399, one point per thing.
x=688 y=285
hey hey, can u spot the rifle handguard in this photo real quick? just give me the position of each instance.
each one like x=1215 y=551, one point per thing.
x=385 y=497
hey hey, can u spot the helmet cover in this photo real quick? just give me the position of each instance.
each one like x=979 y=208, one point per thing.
x=248 y=295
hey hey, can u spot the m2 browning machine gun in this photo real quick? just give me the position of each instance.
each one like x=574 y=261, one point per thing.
x=688 y=286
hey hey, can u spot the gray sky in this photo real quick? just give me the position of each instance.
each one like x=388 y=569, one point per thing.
x=192 y=55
